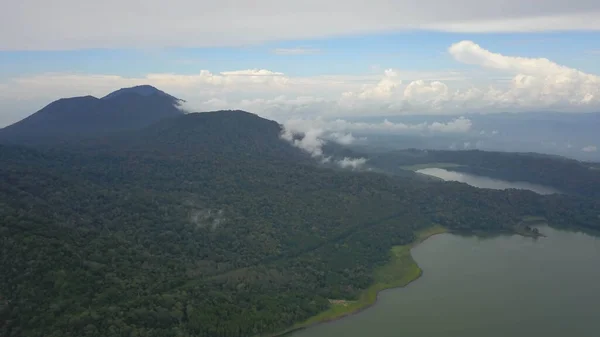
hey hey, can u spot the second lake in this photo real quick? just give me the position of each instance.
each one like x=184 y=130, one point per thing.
x=485 y=182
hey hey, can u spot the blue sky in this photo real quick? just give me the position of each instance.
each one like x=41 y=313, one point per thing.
x=415 y=50
x=308 y=59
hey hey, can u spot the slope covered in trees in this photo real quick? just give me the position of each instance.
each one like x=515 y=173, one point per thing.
x=567 y=175
x=210 y=225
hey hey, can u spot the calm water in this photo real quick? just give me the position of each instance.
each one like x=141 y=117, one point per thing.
x=485 y=182
x=494 y=287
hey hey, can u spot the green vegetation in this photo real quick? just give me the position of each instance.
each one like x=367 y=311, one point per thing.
x=425 y=234
x=211 y=225
x=534 y=220
x=417 y=167
x=525 y=227
x=566 y=175
x=400 y=270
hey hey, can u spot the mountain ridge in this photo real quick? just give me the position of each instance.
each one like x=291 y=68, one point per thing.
x=87 y=116
x=143 y=90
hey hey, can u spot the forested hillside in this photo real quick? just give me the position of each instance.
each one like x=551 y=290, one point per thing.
x=567 y=175
x=210 y=225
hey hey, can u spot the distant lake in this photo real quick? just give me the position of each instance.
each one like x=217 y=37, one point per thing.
x=485 y=182
x=493 y=287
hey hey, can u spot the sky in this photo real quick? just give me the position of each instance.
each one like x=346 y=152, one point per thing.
x=307 y=60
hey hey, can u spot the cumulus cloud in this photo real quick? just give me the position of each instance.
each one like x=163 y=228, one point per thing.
x=433 y=93
x=312 y=141
x=262 y=77
x=590 y=148
x=310 y=135
x=342 y=138
x=458 y=125
x=337 y=126
x=353 y=163
x=71 y=24
x=384 y=89
x=536 y=84
x=537 y=81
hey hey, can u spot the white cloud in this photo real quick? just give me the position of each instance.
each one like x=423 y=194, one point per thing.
x=262 y=77
x=353 y=163
x=528 y=23
x=312 y=141
x=537 y=81
x=73 y=24
x=311 y=135
x=384 y=89
x=342 y=138
x=337 y=126
x=458 y=125
x=252 y=72
x=590 y=148
x=536 y=84
x=433 y=93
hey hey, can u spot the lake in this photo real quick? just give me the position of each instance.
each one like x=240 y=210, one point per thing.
x=485 y=182
x=493 y=287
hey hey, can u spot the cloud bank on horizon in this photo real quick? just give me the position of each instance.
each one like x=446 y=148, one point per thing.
x=531 y=84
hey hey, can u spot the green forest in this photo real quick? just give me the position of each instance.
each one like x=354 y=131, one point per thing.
x=211 y=225
x=567 y=175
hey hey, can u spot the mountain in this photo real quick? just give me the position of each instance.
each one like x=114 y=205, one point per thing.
x=207 y=137
x=566 y=175
x=142 y=90
x=88 y=116
x=210 y=224
x=224 y=133
x=568 y=134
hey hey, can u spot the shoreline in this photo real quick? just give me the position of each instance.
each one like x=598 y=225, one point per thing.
x=421 y=237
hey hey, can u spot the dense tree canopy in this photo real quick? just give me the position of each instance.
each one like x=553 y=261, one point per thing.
x=567 y=175
x=210 y=225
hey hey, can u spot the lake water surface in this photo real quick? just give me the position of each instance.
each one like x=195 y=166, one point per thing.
x=493 y=287
x=485 y=182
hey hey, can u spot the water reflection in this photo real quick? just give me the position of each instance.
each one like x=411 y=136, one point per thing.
x=504 y=286
x=486 y=182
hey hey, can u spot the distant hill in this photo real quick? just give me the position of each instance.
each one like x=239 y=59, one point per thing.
x=80 y=117
x=227 y=134
x=567 y=175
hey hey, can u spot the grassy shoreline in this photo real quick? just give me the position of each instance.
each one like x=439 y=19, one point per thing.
x=400 y=271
